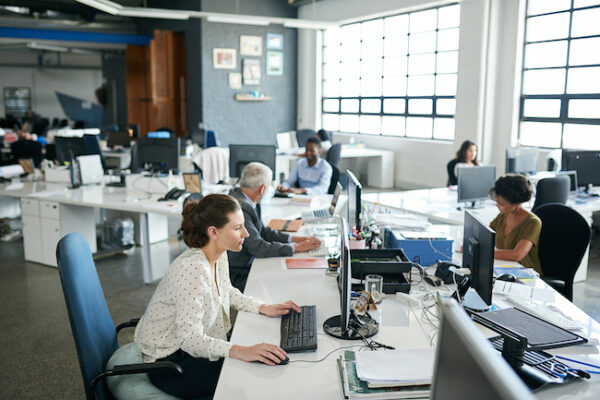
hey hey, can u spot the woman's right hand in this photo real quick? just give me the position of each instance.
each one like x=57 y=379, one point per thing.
x=266 y=353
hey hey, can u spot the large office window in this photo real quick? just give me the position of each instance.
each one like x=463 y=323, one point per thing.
x=393 y=76
x=560 y=95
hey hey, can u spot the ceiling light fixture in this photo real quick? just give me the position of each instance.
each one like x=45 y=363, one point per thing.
x=141 y=12
x=39 y=46
x=238 y=19
x=307 y=24
x=107 y=6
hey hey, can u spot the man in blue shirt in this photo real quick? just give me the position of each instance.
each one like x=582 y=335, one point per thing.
x=311 y=174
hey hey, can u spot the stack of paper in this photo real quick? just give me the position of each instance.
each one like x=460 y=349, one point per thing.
x=404 y=222
x=394 y=379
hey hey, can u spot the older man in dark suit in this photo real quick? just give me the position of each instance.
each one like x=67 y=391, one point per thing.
x=262 y=241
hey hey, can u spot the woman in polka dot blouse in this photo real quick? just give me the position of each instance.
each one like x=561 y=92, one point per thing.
x=187 y=319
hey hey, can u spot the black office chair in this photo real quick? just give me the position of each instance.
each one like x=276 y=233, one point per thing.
x=335 y=177
x=302 y=136
x=564 y=240
x=552 y=190
x=452 y=179
x=334 y=154
x=27 y=149
x=93 y=328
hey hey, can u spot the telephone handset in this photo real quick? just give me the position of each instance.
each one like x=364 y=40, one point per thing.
x=172 y=194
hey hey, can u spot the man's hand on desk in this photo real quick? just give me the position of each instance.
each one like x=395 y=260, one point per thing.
x=306 y=244
x=291 y=190
x=264 y=352
x=275 y=310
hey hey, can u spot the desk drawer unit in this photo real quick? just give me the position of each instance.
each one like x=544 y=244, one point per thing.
x=49 y=209
x=30 y=206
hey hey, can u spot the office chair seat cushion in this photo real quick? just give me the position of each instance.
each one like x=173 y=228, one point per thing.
x=555 y=283
x=137 y=386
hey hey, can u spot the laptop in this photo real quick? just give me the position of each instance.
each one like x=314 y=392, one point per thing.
x=324 y=212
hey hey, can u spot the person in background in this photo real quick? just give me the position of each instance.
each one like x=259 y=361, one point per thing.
x=466 y=156
x=517 y=230
x=262 y=241
x=325 y=138
x=311 y=174
x=187 y=319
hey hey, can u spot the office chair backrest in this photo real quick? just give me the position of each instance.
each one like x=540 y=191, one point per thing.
x=564 y=240
x=210 y=139
x=27 y=149
x=334 y=154
x=552 y=190
x=302 y=136
x=335 y=177
x=134 y=167
x=92 y=326
x=452 y=179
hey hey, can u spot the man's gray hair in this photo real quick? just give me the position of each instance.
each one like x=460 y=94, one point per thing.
x=256 y=174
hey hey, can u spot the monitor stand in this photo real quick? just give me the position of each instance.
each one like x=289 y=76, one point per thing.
x=471 y=205
x=473 y=302
x=359 y=329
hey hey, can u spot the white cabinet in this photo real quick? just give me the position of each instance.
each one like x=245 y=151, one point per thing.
x=46 y=222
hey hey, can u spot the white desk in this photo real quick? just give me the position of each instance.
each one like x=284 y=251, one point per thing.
x=379 y=169
x=401 y=327
x=440 y=206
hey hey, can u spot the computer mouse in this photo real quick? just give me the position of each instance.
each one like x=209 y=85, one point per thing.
x=506 y=278
x=283 y=362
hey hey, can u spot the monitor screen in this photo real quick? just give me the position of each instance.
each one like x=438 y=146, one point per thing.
x=474 y=183
x=586 y=163
x=467 y=366
x=241 y=155
x=118 y=138
x=158 y=154
x=354 y=201
x=522 y=161
x=67 y=147
x=478 y=255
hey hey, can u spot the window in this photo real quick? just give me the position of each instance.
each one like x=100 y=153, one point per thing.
x=560 y=93
x=393 y=76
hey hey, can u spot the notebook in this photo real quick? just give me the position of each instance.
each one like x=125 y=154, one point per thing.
x=306 y=263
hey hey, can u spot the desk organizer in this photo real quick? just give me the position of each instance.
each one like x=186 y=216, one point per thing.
x=429 y=250
x=391 y=264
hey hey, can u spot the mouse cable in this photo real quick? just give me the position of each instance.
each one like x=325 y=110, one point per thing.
x=327 y=355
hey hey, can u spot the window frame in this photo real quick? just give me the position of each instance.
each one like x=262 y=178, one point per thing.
x=406 y=114
x=565 y=97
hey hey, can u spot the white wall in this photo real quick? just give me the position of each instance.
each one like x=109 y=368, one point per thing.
x=44 y=82
x=487 y=90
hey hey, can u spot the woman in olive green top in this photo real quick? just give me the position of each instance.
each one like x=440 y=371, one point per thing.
x=517 y=230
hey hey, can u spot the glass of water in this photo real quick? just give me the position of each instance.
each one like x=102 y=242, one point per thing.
x=374 y=286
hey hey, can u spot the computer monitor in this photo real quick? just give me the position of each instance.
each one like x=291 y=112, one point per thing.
x=118 y=138
x=158 y=154
x=354 y=201
x=467 y=366
x=573 y=178
x=69 y=147
x=241 y=155
x=159 y=135
x=478 y=256
x=474 y=183
x=585 y=162
x=522 y=161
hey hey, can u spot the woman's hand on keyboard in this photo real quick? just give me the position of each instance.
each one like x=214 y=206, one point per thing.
x=275 y=310
x=305 y=245
x=266 y=353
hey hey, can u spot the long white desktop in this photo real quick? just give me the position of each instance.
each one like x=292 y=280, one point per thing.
x=440 y=206
x=401 y=326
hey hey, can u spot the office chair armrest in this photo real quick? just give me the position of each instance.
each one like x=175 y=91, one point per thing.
x=144 y=368
x=128 y=324
x=555 y=283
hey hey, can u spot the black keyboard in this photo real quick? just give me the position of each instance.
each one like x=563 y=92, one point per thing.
x=299 y=331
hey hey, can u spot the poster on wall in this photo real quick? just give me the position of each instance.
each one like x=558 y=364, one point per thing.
x=235 y=80
x=250 y=45
x=274 y=63
x=224 y=58
x=251 y=71
x=274 y=41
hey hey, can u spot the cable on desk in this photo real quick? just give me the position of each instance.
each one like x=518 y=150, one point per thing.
x=436 y=250
x=327 y=355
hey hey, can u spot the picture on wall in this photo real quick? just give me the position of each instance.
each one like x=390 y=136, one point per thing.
x=274 y=63
x=235 y=80
x=250 y=45
x=274 y=41
x=224 y=58
x=251 y=71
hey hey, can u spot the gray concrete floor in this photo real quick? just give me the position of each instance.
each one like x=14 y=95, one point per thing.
x=37 y=353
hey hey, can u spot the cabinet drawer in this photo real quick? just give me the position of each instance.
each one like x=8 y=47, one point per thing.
x=49 y=209
x=50 y=238
x=30 y=206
